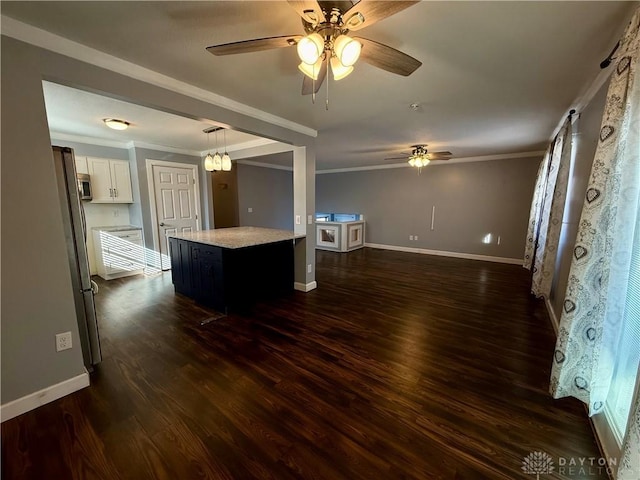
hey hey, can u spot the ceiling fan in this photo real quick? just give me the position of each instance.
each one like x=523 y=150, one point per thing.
x=420 y=157
x=327 y=24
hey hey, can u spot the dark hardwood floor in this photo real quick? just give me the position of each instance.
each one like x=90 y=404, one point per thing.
x=399 y=366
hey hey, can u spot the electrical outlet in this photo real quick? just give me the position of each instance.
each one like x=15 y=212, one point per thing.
x=415 y=237
x=250 y=210
x=63 y=341
x=310 y=219
x=309 y=268
x=411 y=237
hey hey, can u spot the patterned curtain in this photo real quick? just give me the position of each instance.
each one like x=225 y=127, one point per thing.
x=536 y=210
x=595 y=300
x=551 y=222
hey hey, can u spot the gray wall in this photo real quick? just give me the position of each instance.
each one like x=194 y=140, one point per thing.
x=471 y=200
x=37 y=298
x=140 y=211
x=269 y=192
x=585 y=142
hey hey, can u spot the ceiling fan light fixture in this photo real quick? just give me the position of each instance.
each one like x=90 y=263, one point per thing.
x=116 y=124
x=347 y=50
x=354 y=21
x=208 y=163
x=311 y=71
x=310 y=48
x=339 y=70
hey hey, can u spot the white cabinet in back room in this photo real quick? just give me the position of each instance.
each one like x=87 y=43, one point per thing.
x=110 y=180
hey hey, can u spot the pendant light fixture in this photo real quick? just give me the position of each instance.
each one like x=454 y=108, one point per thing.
x=208 y=160
x=217 y=159
x=226 y=160
x=217 y=162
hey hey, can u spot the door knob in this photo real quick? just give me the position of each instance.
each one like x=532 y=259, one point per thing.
x=162 y=224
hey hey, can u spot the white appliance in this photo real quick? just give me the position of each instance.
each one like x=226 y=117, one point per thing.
x=76 y=235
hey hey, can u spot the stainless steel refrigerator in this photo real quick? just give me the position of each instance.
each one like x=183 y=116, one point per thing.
x=75 y=235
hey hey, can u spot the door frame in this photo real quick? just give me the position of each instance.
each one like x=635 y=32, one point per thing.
x=150 y=163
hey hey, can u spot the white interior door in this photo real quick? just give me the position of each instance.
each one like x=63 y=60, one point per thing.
x=175 y=197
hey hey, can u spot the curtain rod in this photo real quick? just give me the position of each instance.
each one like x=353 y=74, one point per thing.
x=607 y=61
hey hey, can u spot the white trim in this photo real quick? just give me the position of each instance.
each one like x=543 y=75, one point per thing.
x=605 y=437
x=41 y=397
x=552 y=315
x=88 y=140
x=302 y=287
x=264 y=165
x=483 y=158
x=443 y=253
x=55 y=43
x=258 y=142
x=162 y=148
x=150 y=163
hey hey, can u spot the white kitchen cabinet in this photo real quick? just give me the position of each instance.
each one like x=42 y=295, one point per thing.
x=81 y=165
x=110 y=180
x=119 y=251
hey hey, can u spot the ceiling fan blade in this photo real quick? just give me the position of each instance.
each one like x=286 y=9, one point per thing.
x=309 y=10
x=440 y=155
x=396 y=158
x=255 y=45
x=366 y=13
x=387 y=58
x=308 y=83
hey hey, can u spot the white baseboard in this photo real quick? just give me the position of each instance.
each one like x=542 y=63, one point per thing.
x=606 y=438
x=305 y=287
x=552 y=315
x=443 y=253
x=41 y=397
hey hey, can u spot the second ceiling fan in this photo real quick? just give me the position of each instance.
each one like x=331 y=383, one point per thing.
x=327 y=24
x=421 y=157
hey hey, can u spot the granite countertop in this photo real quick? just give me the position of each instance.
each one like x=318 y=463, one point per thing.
x=116 y=228
x=239 y=237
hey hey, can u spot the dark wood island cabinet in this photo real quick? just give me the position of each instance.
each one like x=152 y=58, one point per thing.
x=232 y=268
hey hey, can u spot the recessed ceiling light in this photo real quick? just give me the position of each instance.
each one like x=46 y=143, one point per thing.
x=115 y=123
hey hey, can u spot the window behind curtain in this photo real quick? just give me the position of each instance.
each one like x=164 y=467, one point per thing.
x=626 y=370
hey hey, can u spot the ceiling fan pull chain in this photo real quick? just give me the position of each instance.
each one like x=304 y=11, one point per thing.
x=326 y=103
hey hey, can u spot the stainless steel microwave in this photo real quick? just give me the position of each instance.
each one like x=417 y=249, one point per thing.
x=84 y=186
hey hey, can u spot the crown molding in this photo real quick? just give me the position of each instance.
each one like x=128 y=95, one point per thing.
x=484 y=158
x=264 y=165
x=102 y=142
x=258 y=142
x=163 y=148
x=55 y=43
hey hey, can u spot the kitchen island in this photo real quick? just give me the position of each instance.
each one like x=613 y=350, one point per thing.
x=231 y=268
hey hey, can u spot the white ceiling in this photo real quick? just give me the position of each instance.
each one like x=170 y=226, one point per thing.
x=75 y=112
x=496 y=78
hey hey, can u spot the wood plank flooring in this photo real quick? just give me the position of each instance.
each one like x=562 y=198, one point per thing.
x=399 y=366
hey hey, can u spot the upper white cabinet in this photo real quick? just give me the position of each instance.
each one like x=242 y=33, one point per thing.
x=110 y=180
x=81 y=165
